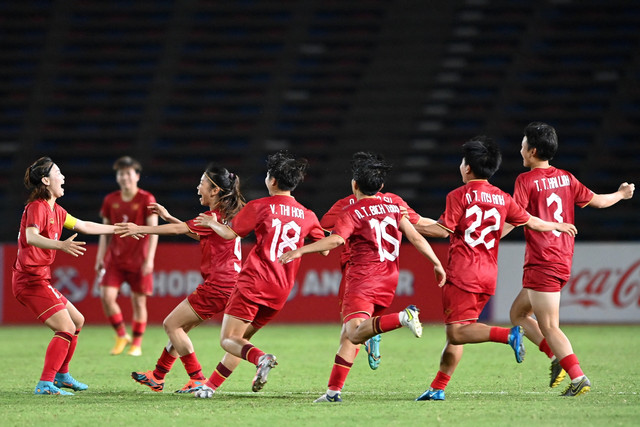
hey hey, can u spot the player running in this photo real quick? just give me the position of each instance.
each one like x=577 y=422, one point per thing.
x=220 y=259
x=280 y=224
x=474 y=217
x=551 y=194
x=39 y=239
x=373 y=229
x=127 y=260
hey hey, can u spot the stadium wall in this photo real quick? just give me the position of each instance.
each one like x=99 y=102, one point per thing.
x=604 y=288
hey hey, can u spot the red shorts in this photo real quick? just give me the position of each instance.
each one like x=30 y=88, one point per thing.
x=114 y=277
x=354 y=308
x=460 y=306
x=207 y=300
x=537 y=280
x=243 y=308
x=40 y=297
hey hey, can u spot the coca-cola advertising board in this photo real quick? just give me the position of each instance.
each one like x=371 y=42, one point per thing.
x=314 y=298
x=604 y=286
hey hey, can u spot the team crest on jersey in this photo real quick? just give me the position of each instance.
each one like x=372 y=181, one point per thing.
x=115 y=205
x=136 y=206
x=52 y=221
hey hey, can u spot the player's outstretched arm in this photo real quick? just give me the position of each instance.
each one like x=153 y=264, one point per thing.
x=162 y=212
x=625 y=192
x=211 y=221
x=90 y=227
x=421 y=244
x=126 y=229
x=538 y=224
x=69 y=246
x=322 y=245
x=430 y=228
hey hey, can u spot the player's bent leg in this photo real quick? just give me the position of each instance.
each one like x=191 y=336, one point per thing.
x=67 y=381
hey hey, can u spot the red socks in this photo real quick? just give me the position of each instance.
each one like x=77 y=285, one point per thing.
x=339 y=373
x=72 y=348
x=544 y=347
x=193 y=367
x=138 y=329
x=572 y=366
x=56 y=353
x=386 y=323
x=500 y=335
x=251 y=354
x=117 y=321
x=164 y=364
x=219 y=375
x=440 y=381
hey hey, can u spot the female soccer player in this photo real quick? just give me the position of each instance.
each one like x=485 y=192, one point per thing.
x=38 y=241
x=280 y=223
x=551 y=194
x=474 y=218
x=218 y=189
x=373 y=229
x=127 y=260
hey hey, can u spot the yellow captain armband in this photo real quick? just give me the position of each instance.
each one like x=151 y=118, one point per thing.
x=70 y=222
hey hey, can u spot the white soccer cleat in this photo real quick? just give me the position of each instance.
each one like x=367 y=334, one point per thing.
x=205 y=392
x=409 y=318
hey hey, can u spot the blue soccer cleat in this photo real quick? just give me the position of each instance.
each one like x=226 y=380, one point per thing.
x=431 y=394
x=67 y=381
x=47 y=387
x=372 y=345
x=517 y=343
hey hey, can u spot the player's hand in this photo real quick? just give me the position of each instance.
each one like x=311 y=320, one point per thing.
x=72 y=247
x=441 y=276
x=567 y=228
x=205 y=220
x=627 y=190
x=289 y=256
x=128 y=229
x=158 y=209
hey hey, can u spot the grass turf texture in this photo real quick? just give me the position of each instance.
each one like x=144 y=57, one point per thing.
x=488 y=388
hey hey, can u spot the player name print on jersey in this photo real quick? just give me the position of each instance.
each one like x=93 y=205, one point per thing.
x=482 y=196
x=551 y=183
x=373 y=210
x=287 y=210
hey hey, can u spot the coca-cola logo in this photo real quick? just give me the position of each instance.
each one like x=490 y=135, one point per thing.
x=617 y=287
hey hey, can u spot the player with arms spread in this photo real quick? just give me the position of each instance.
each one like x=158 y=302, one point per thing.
x=39 y=239
x=474 y=217
x=127 y=260
x=220 y=259
x=551 y=194
x=280 y=224
x=328 y=221
x=373 y=229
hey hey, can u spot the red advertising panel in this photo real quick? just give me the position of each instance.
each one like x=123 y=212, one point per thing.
x=314 y=298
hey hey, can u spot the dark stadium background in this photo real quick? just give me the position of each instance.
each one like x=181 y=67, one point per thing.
x=180 y=83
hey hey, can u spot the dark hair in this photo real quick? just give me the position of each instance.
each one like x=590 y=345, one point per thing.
x=286 y=169
x=33 y=179
x=230 y=200
x=543 y=138
x=482 y=155
x=369 y=171
x=127 y=162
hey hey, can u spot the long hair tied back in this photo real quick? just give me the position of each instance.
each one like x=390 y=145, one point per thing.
x=230 y=199
x=33 y=179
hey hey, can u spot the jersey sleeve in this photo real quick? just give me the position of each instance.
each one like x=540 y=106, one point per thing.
x=316 y=232
x=344 y=226
x=246 y=220
x=582 y=195
x=520 y=193
x=329 y=219
x=197 y=229
x=413 y=215
x=148 y=200
x=516 y=215
x=36 y=216
x=453 y=210
x=104 y=209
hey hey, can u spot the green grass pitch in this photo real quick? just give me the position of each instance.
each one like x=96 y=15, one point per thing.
x=488 y=388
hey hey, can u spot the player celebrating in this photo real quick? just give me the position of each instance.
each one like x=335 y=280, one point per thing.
x=280 y=223
x=219 y=265
x=127 y=260
x=474 y=217
x=40 y=231
x=373 y=229
x=328 y=221
x=551 y=194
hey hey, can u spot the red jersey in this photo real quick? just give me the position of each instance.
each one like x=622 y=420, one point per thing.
x=280 y=224
x=220 y=258
x=127 y=254
x=329 y=219
x=475 y=215
x=32 y=262
x=370 y=226
x=550 y=194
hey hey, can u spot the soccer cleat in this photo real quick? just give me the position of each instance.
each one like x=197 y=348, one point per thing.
x=265 y=364
x=148 y=379
x=431 y=394
x=47 y=387
x=135 y=350
x=372 y=345
x=557 y=374
x=583 y=386
x=409 y=318
x=121 y=343
x=326 y=398
x=192 y=386
x=67 y=381
x=517 y=343
x=205 y=392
